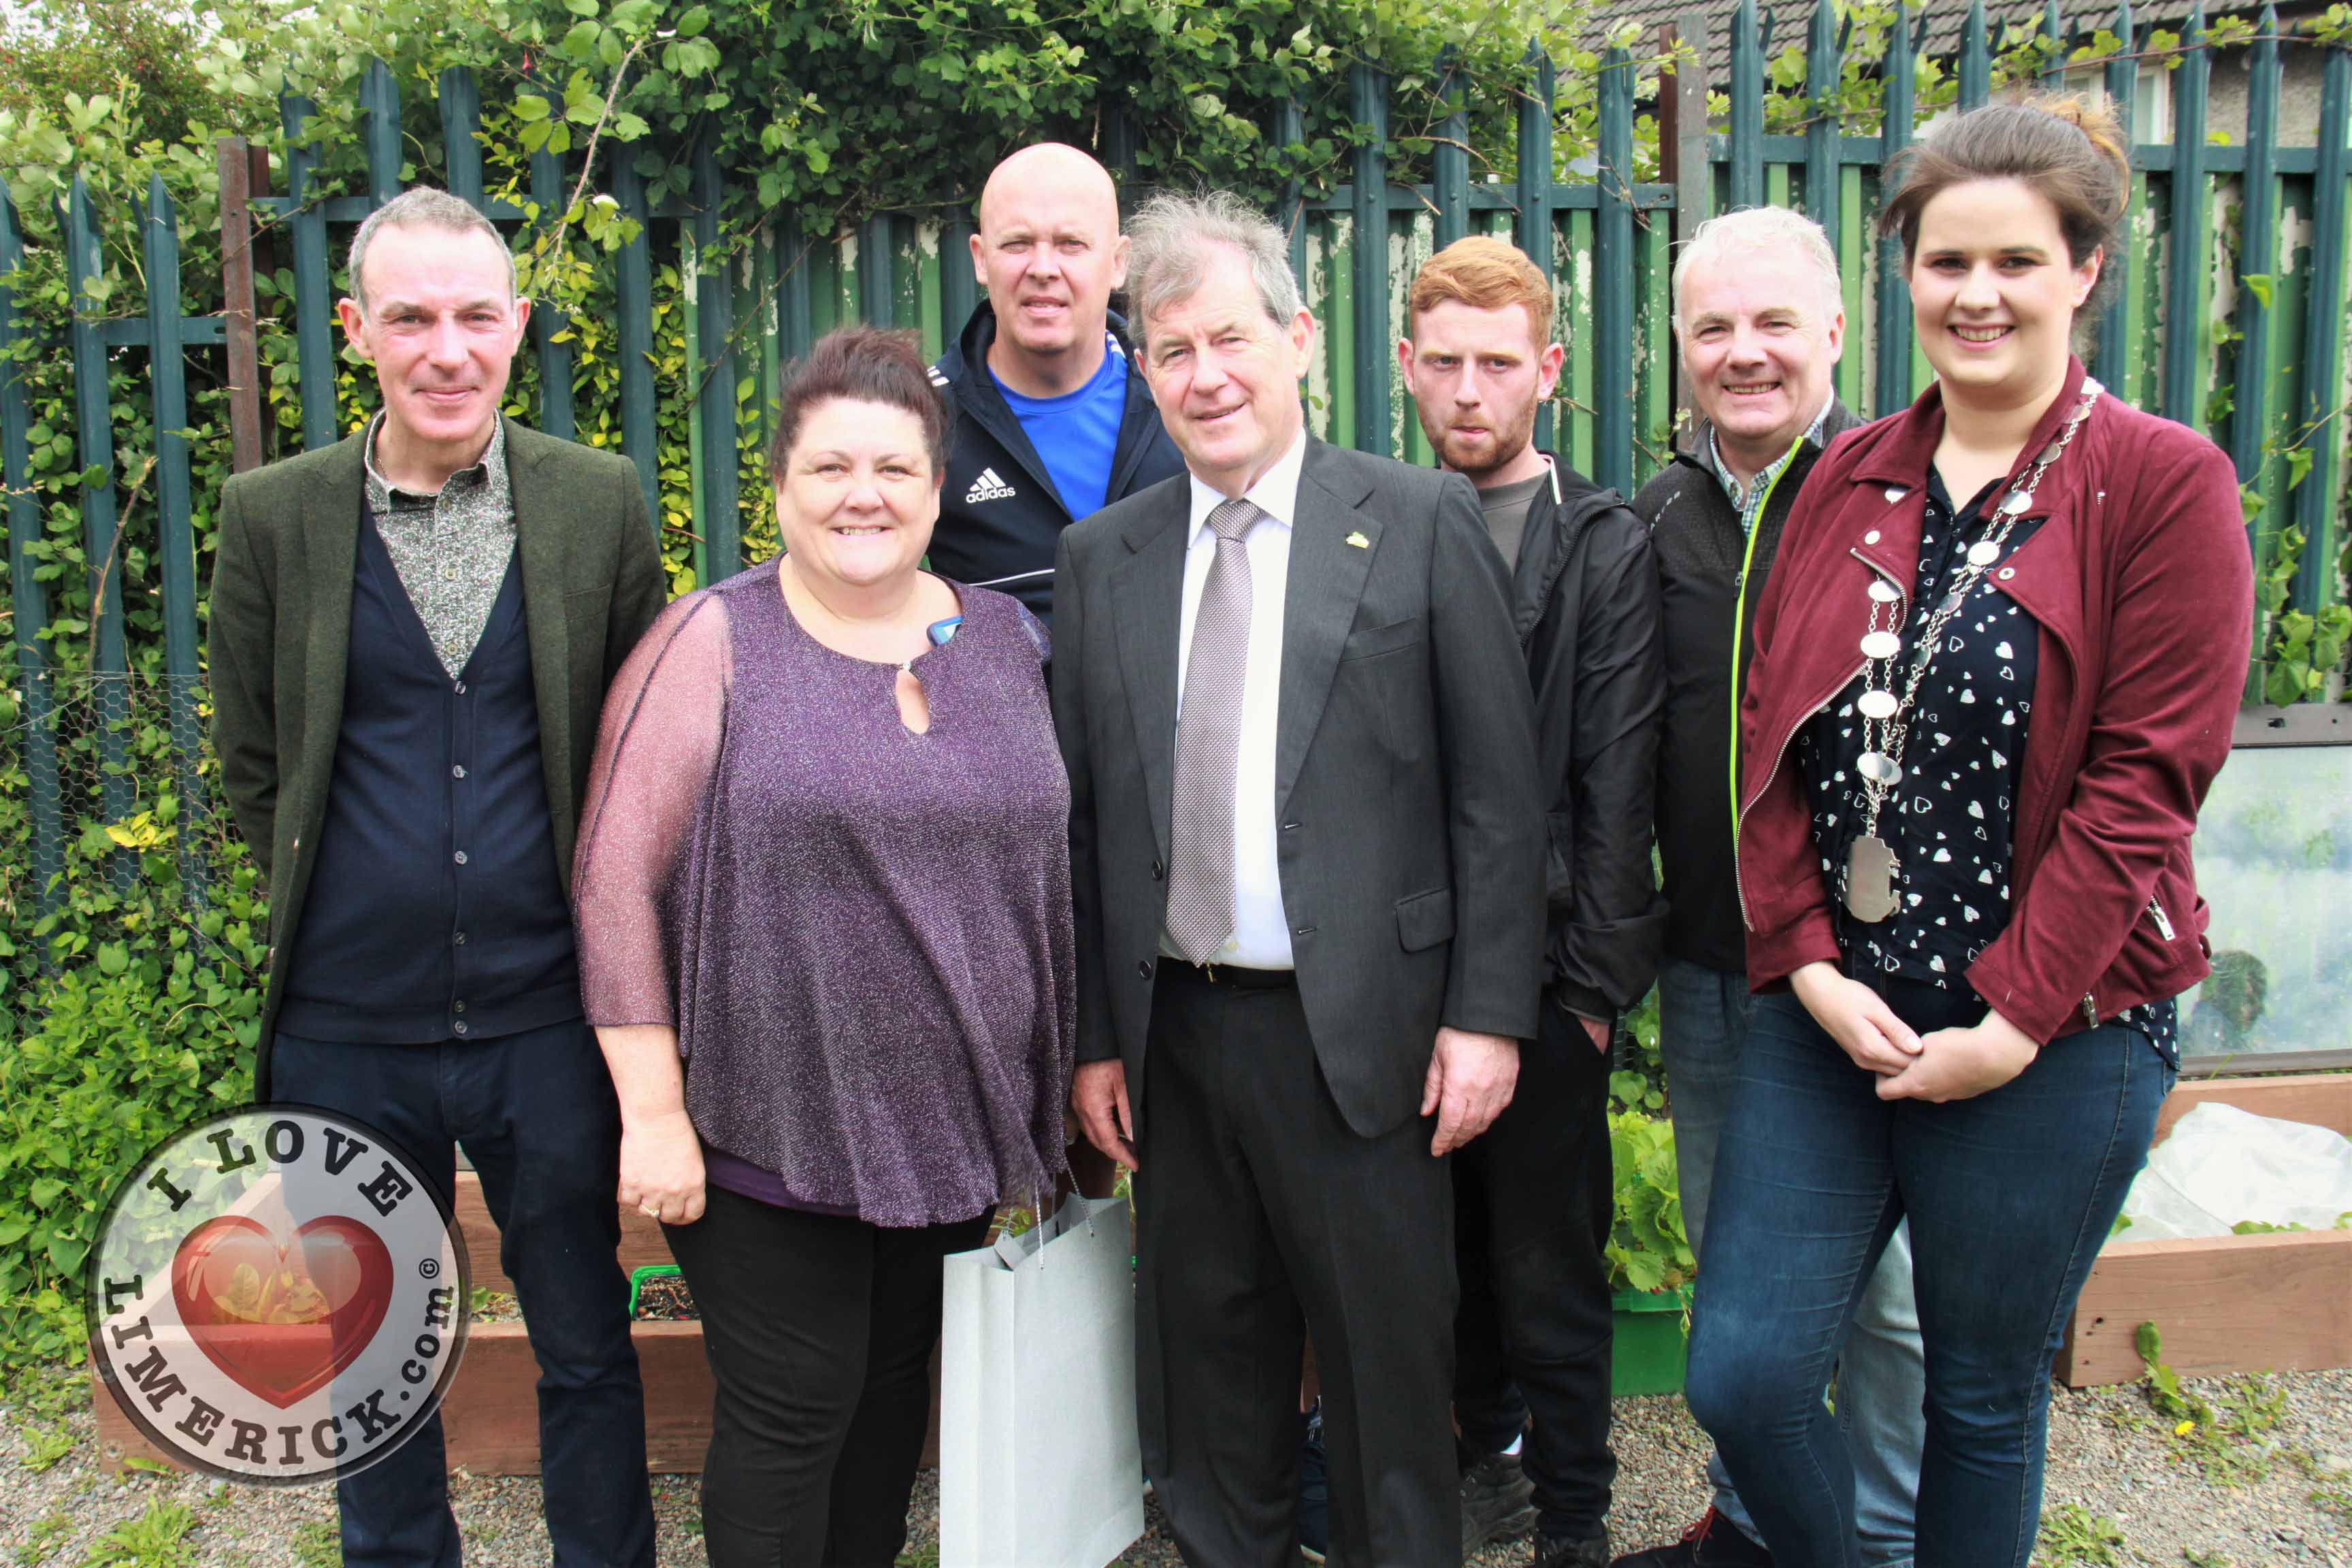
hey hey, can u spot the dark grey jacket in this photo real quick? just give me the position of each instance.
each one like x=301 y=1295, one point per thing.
x=1585 y=604
x=1410 y=820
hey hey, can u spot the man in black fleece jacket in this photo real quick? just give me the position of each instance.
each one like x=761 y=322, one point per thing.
x=1759 y=327
x=1532 y=1198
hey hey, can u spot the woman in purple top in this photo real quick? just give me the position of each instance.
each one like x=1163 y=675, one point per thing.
x=823 y=905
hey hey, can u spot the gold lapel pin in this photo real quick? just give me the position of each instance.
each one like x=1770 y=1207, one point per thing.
x=1360 y=541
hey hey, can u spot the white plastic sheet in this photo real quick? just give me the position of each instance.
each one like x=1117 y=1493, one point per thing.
x=2222 y=1166
x=1040 y=1464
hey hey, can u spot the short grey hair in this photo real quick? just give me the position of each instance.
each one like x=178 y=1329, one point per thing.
x=1169 y=243
x=1762 y=229
x=422 y=206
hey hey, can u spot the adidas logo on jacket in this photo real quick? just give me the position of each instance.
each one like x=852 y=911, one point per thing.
x=987 y=487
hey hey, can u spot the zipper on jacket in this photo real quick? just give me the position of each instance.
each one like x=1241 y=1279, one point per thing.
x=1739 y=639
x=1738 y=883
x=1564 y=550
x=1135 y=414
x=2163 y=922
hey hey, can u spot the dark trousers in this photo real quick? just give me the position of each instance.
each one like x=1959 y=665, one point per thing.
x=2009 y=1194
x=1532 y=1209
x=819 y=1329
x=1260 y=1217
x=535 y=1114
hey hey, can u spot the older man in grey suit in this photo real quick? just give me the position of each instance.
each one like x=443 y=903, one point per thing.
x=1306 y=850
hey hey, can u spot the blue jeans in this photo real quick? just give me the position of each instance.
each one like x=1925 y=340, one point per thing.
x=537 y=1116
x=1881 y=1379
x=2009 y=1195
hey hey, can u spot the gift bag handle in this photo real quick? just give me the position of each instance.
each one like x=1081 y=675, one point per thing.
x=1040 y=1220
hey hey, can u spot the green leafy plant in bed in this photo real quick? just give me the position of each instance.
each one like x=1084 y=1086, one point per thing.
x=1647 y=1248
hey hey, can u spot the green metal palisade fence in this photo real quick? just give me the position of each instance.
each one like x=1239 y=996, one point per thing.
x=2206 y=217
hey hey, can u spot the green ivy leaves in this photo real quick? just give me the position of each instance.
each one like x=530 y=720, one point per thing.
x=2306 y=651
x=146 y=1035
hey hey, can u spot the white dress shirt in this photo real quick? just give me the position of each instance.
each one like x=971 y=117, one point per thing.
x=1261 y=938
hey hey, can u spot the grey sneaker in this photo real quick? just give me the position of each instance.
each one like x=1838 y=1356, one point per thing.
x=1497 y=1501
x=1553 y=1552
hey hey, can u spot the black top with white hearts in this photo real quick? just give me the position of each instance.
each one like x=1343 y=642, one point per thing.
x=1948 y=821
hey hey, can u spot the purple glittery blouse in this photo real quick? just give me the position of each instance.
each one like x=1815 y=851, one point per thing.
x=861 y=934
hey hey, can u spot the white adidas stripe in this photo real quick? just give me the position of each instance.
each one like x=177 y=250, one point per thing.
x=1017 y=577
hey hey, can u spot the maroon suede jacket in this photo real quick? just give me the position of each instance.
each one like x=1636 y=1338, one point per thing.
x=2142 y=583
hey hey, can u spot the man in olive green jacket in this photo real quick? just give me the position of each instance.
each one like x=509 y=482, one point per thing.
x=412 y=634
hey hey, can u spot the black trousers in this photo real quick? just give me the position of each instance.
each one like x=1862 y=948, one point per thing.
x=1532 y=1209
x=819 y=1329
x=535 y=1113
x=1260 y=1216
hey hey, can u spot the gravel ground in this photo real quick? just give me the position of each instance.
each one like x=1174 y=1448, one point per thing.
x=2115 y=1470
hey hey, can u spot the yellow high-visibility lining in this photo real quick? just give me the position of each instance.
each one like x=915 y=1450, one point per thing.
x=1740 y=630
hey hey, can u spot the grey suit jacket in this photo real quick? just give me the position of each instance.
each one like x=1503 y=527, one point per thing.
x=1411 y=827
x=281 y=623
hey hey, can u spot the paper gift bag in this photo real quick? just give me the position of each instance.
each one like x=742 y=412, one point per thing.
x=1039 y=1462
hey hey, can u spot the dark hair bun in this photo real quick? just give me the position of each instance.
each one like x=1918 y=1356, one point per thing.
x=2093 y=114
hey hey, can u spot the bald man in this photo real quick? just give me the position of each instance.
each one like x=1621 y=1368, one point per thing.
x=1055 y=419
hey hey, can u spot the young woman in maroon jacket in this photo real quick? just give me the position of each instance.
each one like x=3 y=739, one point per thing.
x=1997 y=665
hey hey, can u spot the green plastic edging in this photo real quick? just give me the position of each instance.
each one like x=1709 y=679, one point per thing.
x=1649 y=1341
x=637 y=1277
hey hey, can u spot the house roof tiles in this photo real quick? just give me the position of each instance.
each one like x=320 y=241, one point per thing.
x=1946 y=18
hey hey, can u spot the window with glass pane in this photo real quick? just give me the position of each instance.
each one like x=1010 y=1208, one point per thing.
x=2273 y=854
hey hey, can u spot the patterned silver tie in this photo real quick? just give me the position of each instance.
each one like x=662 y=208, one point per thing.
x=1208 y=741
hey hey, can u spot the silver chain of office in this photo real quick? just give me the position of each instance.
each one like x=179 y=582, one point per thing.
x=1886 y=718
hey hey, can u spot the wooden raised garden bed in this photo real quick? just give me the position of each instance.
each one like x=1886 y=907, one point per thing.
x=2224 y=1304
x=2231 y=1303
x=490 y=1418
